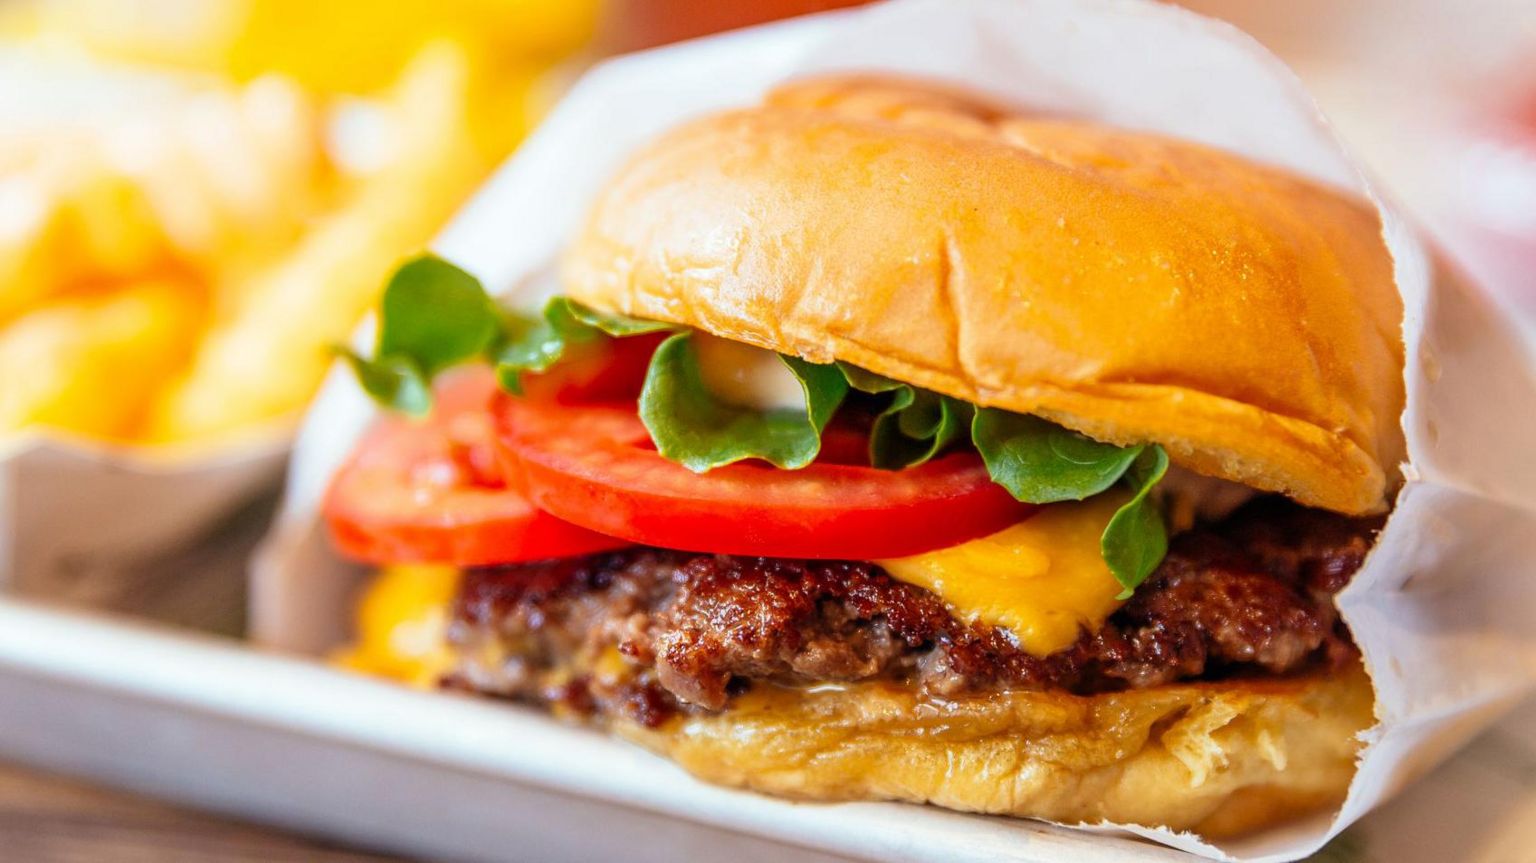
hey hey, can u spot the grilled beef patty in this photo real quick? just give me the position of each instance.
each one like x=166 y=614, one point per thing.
x=645 y=633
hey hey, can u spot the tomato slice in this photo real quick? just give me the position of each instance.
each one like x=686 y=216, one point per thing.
x=593 y=465
x=432 y=491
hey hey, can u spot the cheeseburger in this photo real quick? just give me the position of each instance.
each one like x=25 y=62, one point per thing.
x=886 y=443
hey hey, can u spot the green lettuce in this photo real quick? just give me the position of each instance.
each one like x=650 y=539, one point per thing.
x=1041 y=462
x=1136 y=539
x=693 y=428
x=534 y=345
x=435 y=315
x=914 y=426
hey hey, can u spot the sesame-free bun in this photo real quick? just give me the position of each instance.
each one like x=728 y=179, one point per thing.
x=1130 y=286
x=1218 y=758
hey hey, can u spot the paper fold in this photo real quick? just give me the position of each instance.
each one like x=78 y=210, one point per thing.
x=73 y=508
x=1442 y=607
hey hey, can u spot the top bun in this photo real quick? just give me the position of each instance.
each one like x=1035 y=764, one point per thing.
x=1129 y=286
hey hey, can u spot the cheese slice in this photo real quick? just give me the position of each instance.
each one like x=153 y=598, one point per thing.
x=1044 y=579
x=402 y=625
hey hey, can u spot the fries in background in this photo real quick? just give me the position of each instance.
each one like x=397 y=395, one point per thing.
x=196 y=184
x=265 y=353
x=91 y=365
x=210 y=240
x=328 y=46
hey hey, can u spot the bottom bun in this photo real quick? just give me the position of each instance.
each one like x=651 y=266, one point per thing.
x=1216 y=758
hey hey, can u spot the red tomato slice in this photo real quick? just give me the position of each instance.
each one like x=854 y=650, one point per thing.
x=431 y=491
x=593 y=465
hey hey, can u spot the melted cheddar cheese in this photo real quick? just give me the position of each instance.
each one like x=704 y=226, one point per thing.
x=402 y=625
x=1044 y=579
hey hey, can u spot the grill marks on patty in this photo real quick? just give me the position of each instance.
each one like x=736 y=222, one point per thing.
x=643 y=633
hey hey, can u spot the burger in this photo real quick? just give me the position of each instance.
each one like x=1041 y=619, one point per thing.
x=882 y=442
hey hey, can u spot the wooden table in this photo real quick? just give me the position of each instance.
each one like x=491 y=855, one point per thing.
x=50 y=819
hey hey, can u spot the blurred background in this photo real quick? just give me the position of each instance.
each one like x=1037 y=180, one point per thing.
x=1438 y=99
x=198 y=196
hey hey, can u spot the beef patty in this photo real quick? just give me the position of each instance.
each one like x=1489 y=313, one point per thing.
x=645 y=632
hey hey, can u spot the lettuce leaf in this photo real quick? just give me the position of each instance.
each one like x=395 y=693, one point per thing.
x=529 y=344
x=435 y=315
x=1041 y=462
x=1136 y=539
x=915 y=425
x=394 y=382
x=693 y=428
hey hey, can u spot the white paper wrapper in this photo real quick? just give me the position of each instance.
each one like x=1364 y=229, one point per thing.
x=1443 y=607
x=75 y=512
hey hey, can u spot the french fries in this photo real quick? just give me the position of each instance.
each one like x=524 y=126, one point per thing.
x=333 y=46
x=194 y=186
x=179 y=271
x=261 y=361
x=89 y=366
x=117 y=236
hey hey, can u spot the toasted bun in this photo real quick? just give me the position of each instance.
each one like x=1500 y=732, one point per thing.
x=1132 y=287
x=1217 y=758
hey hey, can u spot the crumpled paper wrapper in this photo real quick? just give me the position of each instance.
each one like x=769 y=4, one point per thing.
x=1443 y=608
x=76 y=513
